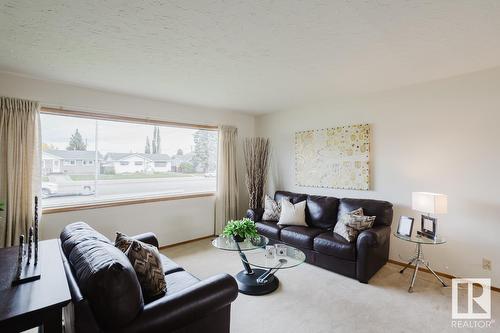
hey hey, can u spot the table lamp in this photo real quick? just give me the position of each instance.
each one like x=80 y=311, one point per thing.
x=429 y=203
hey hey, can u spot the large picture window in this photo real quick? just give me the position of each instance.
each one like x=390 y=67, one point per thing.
x=86 y=160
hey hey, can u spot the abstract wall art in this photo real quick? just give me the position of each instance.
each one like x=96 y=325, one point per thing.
x=334 y=157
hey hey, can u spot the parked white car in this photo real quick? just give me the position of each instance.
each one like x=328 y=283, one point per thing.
x=49 y=189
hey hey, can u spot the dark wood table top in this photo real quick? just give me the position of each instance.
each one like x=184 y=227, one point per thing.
x=27 y=300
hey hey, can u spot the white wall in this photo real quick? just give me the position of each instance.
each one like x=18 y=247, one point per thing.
x=441 y=137
x=172 y=221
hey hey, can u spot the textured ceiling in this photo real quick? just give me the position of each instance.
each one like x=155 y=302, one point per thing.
x=255 y=56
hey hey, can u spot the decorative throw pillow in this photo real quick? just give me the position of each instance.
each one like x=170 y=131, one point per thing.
x=348 y=233
x=123 y=241
x=361 y=223
x=349 y=225
x=293 y=214
x=346 y=217
x=272 y=209
x=146 y=261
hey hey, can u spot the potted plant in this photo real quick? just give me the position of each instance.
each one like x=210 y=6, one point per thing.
x=241 y=230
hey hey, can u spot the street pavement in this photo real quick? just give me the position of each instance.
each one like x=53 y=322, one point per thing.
x=78 y=191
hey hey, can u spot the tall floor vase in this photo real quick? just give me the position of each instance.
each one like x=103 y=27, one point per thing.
x=256 y=152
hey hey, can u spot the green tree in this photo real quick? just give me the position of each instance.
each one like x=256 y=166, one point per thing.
x=186 y=167
x=76 y=142
x=147 y=149
x=156 y=143
x=158 y=140
x=153 y=145
x=48 y=146
x=205 y=150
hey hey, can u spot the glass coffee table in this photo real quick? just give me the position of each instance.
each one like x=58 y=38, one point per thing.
x=260 y=279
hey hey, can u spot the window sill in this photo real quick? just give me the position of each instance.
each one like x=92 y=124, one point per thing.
x=124 y=202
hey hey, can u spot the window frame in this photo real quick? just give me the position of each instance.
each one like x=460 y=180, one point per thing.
x=126 y=119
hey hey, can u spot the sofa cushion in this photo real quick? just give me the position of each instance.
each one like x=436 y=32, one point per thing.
x=180 y=280
x=272 y=209
x=293 y=214
x=381 y=209
x=148 y=267
x=332 y=244
x=301 y=237
x=349 y=225
x=290 y=196
x=103 y=273
x=169 y=266
x=76 y=233
x=321 y=211
x=270 y=229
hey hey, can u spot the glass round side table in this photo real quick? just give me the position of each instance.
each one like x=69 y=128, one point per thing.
x=418 y=258
x=260 y=280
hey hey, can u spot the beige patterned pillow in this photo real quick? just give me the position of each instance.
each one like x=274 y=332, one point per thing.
x=346 y=217
x=272 y=209
x=349 y=225
x=146 y=261
x=123 y=241
x=361 y=223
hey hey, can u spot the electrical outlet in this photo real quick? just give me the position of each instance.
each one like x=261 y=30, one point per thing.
x=486 y=264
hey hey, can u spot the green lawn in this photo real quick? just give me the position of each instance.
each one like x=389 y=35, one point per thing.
x=45 y=179
x=133 y=176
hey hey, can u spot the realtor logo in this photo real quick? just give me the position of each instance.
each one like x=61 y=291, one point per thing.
x=478 y=307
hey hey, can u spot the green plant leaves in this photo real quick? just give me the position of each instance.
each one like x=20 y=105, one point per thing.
x=245 y=228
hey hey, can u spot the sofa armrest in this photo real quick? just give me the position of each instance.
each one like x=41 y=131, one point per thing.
x=373 y=237
x=182 y=308
x=372 y=248
x=255 y=214
x=148 y=238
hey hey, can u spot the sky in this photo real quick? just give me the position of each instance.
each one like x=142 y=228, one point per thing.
x=112 y=136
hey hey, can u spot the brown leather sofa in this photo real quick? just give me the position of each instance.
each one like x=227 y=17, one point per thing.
x=360 y=259
x=106 y=295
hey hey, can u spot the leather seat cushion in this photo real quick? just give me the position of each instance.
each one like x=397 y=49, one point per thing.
x=103 y=273
x=331 y=244
x=298 y=236
x=269 y=229
x=169 y=266
x=178 y=281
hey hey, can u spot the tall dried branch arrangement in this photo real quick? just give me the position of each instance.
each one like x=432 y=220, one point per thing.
x=256 y=151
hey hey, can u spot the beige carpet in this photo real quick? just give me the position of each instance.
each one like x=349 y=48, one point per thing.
x=314 y=300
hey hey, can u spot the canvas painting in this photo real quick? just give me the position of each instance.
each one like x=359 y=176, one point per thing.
x=334 y=157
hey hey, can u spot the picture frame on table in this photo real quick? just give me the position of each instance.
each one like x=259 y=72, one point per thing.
x=405 y=226
x=428 y=226
x=270 y=252
x=280 y=250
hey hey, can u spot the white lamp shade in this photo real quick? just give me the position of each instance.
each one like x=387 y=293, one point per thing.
x=432 y=203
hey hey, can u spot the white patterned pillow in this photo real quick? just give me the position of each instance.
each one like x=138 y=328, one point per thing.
x=349 y=225
x=272 y=209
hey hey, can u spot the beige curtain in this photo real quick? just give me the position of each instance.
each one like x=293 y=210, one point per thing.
x=20 y=159
x=226 y=206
